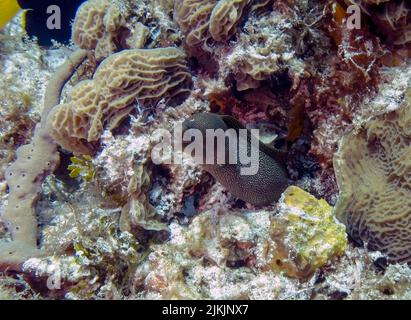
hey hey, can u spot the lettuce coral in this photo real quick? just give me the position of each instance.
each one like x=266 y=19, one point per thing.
x=202 y=20
x=224 y=17
x=373 y=170
x=144 y=76
x=192 y=16
x=97 y=25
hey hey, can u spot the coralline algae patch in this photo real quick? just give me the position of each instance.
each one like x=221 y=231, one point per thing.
x=97 y=215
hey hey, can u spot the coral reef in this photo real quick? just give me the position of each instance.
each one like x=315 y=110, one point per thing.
x=141 y=76
x=20 y=124
x=88 y=256
x=264 y=50
x=225 y=255
x=193 y=19
x=87 y=213
x=373 y=169
x=104 y=27
x=22 y=89
x=216 y=250
x=25 y=176
x=97 y=27
x=224 y=17
x=201 y=21
x=392 y=18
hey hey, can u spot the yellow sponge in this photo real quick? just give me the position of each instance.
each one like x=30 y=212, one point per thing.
x=306 y=233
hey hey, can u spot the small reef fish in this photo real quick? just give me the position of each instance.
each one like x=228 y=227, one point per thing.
x=40 y=20
x=262 y=188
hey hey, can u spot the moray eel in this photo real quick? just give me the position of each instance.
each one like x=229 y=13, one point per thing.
x=37 y=14
x=262 y=188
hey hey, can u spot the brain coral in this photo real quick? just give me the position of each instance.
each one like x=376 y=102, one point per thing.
x=373 y=169
x=201 y=20
x=141 y=75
